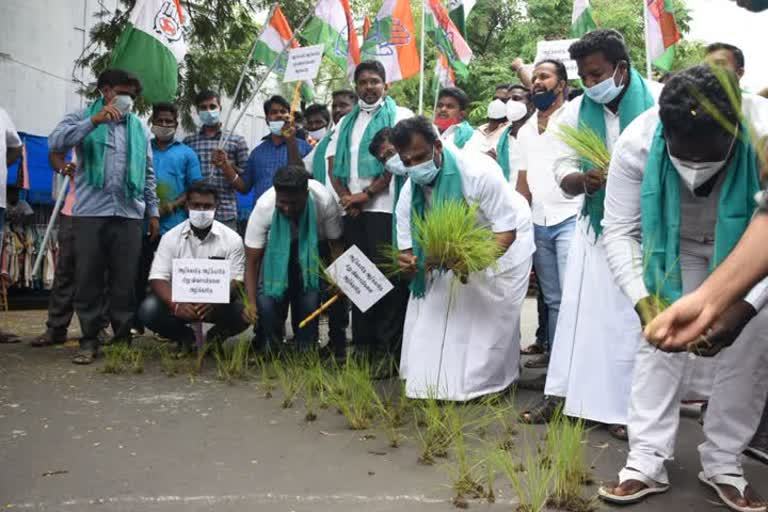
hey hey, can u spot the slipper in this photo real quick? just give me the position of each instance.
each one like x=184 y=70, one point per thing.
x=544 y=411
x=738 y=482
x=618 y=432
x=534 y=349
x=759 y=453
x=84 y=357
x=539 y=362
x=626 y=474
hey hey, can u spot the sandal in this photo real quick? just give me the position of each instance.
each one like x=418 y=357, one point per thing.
x=48 y=339
x=7 y=337
x=738 y=482
x=539 y=362
x=534 y=349
x=84 y=356
x=544 y=411
x=618 y=432
x=625 y=475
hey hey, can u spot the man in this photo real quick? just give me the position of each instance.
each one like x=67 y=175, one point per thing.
x=222 y=168
x=10 y=151
x=692 y=181
x=554 y=215
x=318 y=122
x=492 y=130
x=198 y=237
x=519 y=109
x=462 y=339
x=450 y=119
x=501 y=93
x=284 y=231
x=591 y=363
x=726 y=56
x=365 y=191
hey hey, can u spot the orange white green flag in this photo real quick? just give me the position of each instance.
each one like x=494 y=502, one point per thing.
x=661 y=33
x=447 y=38
x=392 y=41
x=332 y=25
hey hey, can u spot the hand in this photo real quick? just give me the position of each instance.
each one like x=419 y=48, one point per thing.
x=649 y=308
x=356 y=200
x=185 y=312
x=681 y=323
x=203 y=310
x=68 y=169
x=166 y=209
x=492 y=153
x=250 y=313
x=219 y=158
x=724 y=331
x=107 y=114
x=289 y=131
x=153 y=231
x=594 y=180
x=353 y=212
x=407 y=262
x=517 y=64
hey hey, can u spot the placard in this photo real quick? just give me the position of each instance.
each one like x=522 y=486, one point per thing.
x=303 y=63
x=558 y=50
x=200 y=281
x=359 y=278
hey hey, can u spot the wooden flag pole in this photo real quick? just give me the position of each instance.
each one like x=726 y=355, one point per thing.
x=320 y=310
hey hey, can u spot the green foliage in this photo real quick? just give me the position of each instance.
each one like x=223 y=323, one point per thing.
x=121 y=358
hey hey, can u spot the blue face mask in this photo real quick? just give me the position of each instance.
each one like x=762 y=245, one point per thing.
x=209 y=117
x=606 y=91
x=276 y=127
x=394 y=165
x=424 y=173
x=544 y=100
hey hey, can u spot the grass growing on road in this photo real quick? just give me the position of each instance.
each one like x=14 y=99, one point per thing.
x=233 y=360
x=530 y=479
x=121 y=358
x=565 y=450
x=353 y=393
x=290 y=377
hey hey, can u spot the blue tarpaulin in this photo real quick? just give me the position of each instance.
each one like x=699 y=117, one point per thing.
x=40 y=171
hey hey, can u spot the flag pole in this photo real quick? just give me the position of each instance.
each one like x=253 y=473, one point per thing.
x=61 y=193
x=421 y=64
x=648 y=65
x=264 y=79
x=245 y=68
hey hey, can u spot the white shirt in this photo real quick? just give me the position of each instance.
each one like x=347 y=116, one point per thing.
x=516 y=161
x=489 y=140
x=327 y=216
x=381 y=202
x=309 y=165
x=622 y=231
x=538 y=157
x=475 y=142
x=8 y=139
x=500 y=207
x=181 y=243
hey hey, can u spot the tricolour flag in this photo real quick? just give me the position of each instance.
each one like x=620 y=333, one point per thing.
x=332 y=26
x=661 y=33
x=270 y=46
x=444 y=73
x=447 y=38
x=152 y=46
x=581 y=19
x=458 y=10
x=366 y=27
x=392 y=41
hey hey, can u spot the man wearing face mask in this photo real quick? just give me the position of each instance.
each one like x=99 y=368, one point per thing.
x=519 y=109
x=277 y=149
x=473 y=350
x=680 y=195
x=115 y=189
x=452 y=104
x=221 y=168
x=590 y=369
x=198 y=237
x=365 y=191
x=492 y=130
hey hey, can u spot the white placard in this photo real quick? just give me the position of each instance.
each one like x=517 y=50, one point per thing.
x=303 y=63
x=558 y=50
x=359 y=279
x=200 y=281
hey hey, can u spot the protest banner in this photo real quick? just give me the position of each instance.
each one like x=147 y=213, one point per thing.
x=200 y=281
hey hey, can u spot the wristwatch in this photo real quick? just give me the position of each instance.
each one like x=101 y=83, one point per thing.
x=367 y=191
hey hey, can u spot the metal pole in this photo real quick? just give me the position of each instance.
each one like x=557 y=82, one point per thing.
x=421 y=64
x=648 y=65
x=61 y=194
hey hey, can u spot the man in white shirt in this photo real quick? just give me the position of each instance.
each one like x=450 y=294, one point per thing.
x=507 y=152
x=10 y=151
x=679 y=197
x=491 y=131
x=452 y=105
x=285 y=230
x=554 y=215
x=199 y=237
x=366 y=193
x=462 y=336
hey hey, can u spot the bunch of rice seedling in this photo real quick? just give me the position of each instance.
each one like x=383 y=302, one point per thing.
x=232 y=361
x=392 y=409
x=464 y=473
x=352 y=392
x=432 y=428
x=121 y=357
x=265 y=376
x=530 y=480
x=290 y=377
x=587 y=144
x=315 y=384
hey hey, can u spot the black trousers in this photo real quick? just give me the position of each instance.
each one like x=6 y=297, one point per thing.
x=110 y=245
x=148 y=249
x=380 y=329
x=338 y=313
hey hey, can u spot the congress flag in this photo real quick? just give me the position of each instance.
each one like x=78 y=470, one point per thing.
x=332 y=26
x=661 y=33
x=392 y=41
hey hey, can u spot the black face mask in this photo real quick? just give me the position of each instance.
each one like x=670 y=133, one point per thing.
x=544 y=100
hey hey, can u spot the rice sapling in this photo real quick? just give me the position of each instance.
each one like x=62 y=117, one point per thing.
x=565 y=450
x=432 y=428
x=391 y=407
x=233 y=360
x=530 y=480
x=289 y=378
x=354 y=394
x=265 y=377
x=464 y=473
x=587 y=144
x=120 y=357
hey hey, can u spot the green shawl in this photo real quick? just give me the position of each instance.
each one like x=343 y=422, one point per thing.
x=447 y=188
x=502 y=151
x=319 y=163
x=637 y=99
x=95 y=147
x=278 y=252
x=660 y=207
x=462 y=134
x=367 y=165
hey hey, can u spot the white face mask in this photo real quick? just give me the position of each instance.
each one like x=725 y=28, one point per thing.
x=318 y=135
x=695 y=174
x=516 y=110
x=201 y=219
x=370 y=107
x=123 y=103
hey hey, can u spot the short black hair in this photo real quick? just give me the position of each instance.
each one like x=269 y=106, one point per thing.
x=351 y=95
x=202 y=188
x=407 y=128
x=207 y=94
x=738 y=55
x=276 y=99
x=680 y=109
x=316 y=109
x=457 y=94
x=520 y=87
x=291 y=178
x=165 y=106
x=112 y=77
x=373 y=66
x=574 y=92
x=502 y=86
x=607 y=41
x=382 y=136
x=562 y=73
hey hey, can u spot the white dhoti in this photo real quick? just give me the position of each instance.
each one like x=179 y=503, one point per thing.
x=462 y=341
x=598 y=332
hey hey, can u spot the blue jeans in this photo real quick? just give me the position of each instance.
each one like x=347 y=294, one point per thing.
x=552 y=244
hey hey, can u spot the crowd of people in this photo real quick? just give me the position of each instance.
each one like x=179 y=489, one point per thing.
x=609 y=247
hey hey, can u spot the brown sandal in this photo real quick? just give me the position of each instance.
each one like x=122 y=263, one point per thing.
x=534 y=349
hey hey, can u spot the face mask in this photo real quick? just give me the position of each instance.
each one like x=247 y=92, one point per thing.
x=606 y=91
x=123 y=103
x=370 y=107
x=516 y=111
x=163 y=133
x=544 y=100
x=444 y=123
x=695 y=174
x=497 y=110
x=318 y=134
x=424 y=173
x=276 y=127
x=395 y=166
x=209 y=117
x=201 y=219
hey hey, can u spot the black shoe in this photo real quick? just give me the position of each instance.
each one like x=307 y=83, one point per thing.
x=544 y=411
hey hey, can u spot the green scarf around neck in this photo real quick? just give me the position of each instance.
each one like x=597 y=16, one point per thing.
x=278 y=252
x=462 y=134
x=319 y=163
x=636 y=100
x=660 y=207
x=447 y=188
x=95 y=147
x=367 y=165
x=502 y=151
